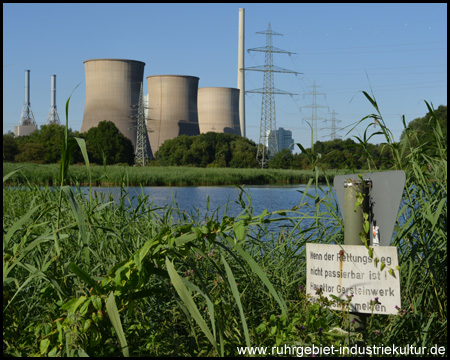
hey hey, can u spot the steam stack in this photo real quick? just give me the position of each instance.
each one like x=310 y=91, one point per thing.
x=241 y=74
x=53 y=117
x=27 y=124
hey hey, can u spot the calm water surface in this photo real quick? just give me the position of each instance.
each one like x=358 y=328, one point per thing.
x=224 y=199
x=191 y=199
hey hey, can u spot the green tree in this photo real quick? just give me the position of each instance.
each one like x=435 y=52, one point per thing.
x=203 y=150
x=174 y=152
x=106 y=141
x=243 y=154
x=30 y=152
x=10 y=147
x=281 y=160
x=419 y=133
x=210 y=149
x=51 y=138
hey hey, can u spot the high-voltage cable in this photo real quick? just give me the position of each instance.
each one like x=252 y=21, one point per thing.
x=314 y=117
x=267 y=145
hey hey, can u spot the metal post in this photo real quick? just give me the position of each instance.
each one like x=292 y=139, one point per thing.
x=353 y=226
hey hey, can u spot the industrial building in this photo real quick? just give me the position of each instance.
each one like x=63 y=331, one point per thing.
x=27 y=123
x=172 y=108
x=284 y=139
x=112 y=94
x=218 y=110
x=174 y=105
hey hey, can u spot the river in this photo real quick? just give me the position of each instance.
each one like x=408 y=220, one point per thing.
x=224 y=199
x=270 y=197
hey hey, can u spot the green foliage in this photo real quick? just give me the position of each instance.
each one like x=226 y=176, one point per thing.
x=105 y=141
x=281 y=160
x=418 y=130
x=42 y=146
x=10 y=147
x=208 y=150
x=30 y=153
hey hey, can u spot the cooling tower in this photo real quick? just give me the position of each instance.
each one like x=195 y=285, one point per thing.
x=172 y=108
x=218 y=110
x=112 y=94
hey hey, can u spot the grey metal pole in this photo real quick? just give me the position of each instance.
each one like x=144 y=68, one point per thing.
x=354 y=225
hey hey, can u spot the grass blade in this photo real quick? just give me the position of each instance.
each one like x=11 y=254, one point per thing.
x=188 y=301
x=7 y=176
x=83 y=275
x=236 y=295
x=77 y=212
x=18 y=224
x=113 y=313
x=260 y=272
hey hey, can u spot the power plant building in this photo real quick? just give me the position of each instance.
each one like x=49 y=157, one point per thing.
x=218 y=110
x=112 y=94
x=172 y=108
x=27 y=123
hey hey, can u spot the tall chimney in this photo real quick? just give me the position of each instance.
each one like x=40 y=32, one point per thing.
x=27 y=117
x=27 y=87
x=26 y=124
x=53 y=117
x=53 y=96
x=241 y=74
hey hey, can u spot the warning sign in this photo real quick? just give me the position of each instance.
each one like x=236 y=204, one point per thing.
x=345 y=270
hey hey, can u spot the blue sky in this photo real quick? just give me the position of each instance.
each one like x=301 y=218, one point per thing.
x=398 y=51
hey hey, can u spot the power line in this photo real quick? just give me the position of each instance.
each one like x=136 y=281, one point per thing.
x=314 y=106
x=334 y=129
x=267 y=145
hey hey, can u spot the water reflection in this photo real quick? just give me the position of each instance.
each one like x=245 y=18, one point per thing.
x=229 y=200
x=191 y=199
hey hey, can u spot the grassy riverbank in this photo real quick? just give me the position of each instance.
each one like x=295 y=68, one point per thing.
x=84 y=276
x=160 y=176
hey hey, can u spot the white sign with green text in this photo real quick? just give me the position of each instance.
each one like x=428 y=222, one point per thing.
x=345 y=270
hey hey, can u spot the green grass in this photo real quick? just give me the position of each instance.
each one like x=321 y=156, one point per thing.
x=86 y=276
x=113 y=175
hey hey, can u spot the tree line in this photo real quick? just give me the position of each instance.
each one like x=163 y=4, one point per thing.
x=106 y=145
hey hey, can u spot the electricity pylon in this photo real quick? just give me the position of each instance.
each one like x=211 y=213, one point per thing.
x=333 y=128
x=267 y=145
x=314 y=118
x=142 y=153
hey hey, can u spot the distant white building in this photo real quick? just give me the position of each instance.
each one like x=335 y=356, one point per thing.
x=284 y=139
x=145 y=97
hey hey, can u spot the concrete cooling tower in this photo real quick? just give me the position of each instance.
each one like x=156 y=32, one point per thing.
x=218 y=110
x=172 y=108
x=112 y=94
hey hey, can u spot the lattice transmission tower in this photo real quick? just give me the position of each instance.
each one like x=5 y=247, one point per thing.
x=333 y=135
x=267 y=145
x=314 y=117
x=143 y=151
